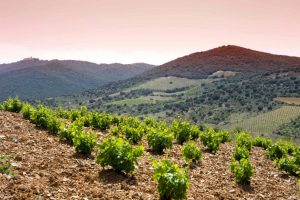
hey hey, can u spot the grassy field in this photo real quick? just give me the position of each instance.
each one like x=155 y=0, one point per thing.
x=141 y=100
x=131 y=101
x=169 y=83
x=266 y=123
x=289 y=100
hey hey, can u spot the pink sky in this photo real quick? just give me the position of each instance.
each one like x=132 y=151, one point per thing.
x=156 y=31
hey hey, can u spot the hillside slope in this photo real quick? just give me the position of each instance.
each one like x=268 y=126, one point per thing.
x=34 y=78
x=225 y=58
x=47 y=168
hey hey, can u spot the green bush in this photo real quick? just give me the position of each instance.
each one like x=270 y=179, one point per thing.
x=290 y=148
x=276 y=151
x=243 y=139
x=263 y=142
x=62 y=113
x=118 y=154
x=12 y=105
x=191 y=153
x=182 y=131
x=242 y=169
x=172 y=181
x=69 y=132
x=53 y=125
x=130 y=121
x=100 y=120
x=5 y=165
x=160 y=138
x=210 y=139
x=74 y=114
x=133 y=135
x=224 y=136
x=151 y=122
x=115 y=119
x=41 y=116
x=84 y=142
x=290 y=165
x=195 y=132
x=240 y=153
x=115 y=130
x=27 y=110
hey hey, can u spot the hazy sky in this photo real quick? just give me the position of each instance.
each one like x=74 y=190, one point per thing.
x=153 y=31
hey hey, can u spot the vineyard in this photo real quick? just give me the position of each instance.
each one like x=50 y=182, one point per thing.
x=78 y=154
x=268 y=122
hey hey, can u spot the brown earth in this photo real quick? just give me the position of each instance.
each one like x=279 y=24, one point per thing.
x=50 y=169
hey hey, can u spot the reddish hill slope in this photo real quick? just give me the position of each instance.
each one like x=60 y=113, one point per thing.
x=50 y=169
x=226 y=58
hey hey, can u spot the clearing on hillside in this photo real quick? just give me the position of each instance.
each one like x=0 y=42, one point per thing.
x=289 y=100
x=169 y=83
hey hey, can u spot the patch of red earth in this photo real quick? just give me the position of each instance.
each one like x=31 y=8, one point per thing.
x=50 y=169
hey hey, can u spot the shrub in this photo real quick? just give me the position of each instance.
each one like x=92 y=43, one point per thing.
x=160 y=139
x=12 y=105
x=150 y=121
x=131 y=121
x=115 y=130
x=224 y=136
x=243 y=139
x=62 y=113
x=172 y=181
x=27 y=110
x=41 y=116
x=104 y=121
x=263 y=142
x=100 y=120
x=74 y=114
x=242 y=169
x=118 y=154
x=210 y=139
x=5 y=165
x=290 y=165
x=133 y=135
x=115 y=119
x=84 y=142
x=69 y=132
x=290 y=148
x=191 y=153
x=181 y=131
x=240 y=153
x=276 y=151
x=195 y=132
x=53 y=125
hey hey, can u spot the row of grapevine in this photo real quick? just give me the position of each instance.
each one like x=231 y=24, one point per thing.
x=240 y=162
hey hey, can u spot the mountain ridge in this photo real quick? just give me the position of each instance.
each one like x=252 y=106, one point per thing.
x=34 y=78
x=226 y=58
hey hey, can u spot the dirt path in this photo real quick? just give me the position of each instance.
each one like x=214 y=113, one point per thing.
x=49 y=169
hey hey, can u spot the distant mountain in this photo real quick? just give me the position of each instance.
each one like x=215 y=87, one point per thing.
x=224 y=58
x=34 y=78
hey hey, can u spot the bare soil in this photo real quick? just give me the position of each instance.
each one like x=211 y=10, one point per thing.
x=48 y=168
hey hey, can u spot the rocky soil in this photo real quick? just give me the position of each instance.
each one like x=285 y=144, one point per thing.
x=47 y=168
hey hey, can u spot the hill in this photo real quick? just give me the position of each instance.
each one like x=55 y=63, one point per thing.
x=225 y=58
x=33 y=78
x=246 y=86
x=47 y=167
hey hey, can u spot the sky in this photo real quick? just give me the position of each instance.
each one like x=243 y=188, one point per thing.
x=151 y=31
